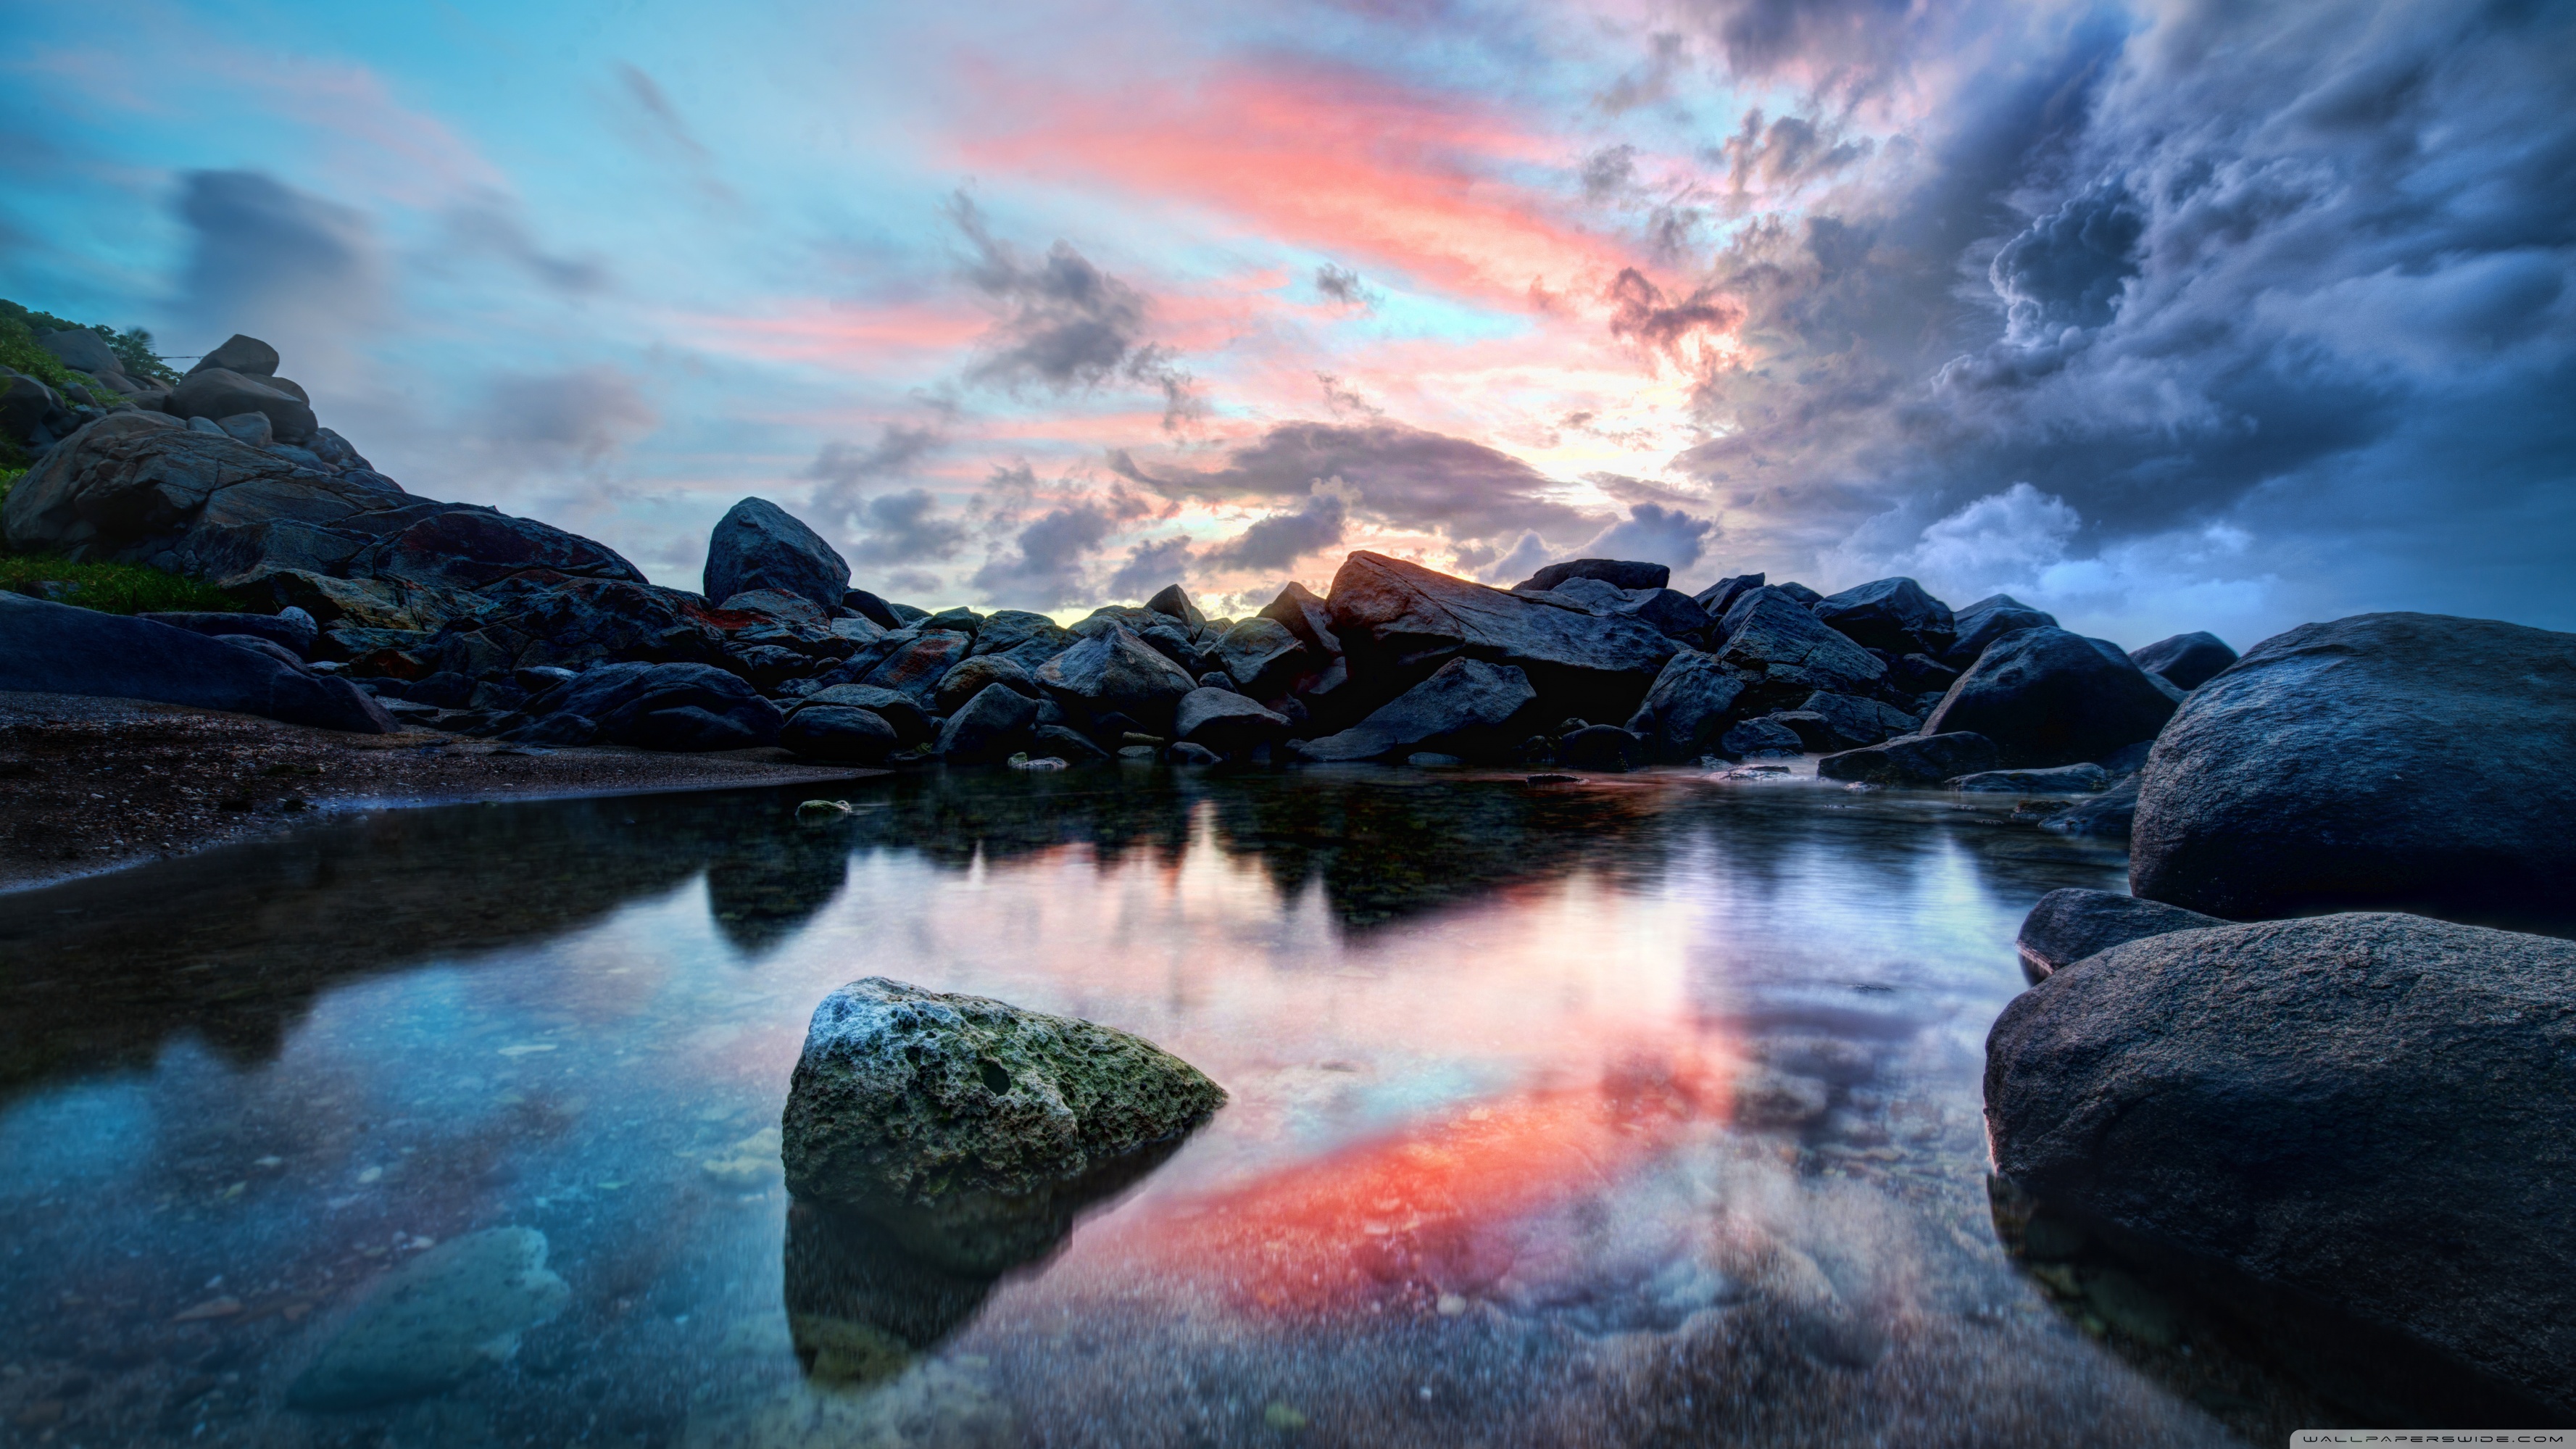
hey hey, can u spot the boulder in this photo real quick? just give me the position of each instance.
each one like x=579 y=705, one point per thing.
x=959 y=620
x=1890 y=614
x=964 y=1124
x=48 y=648
x=1069 y=745
x=220 y=393
x=975 y=675
x=671 y=707
x=2048 y=697
x=245 y=355
x=1464 y=708
x=1227 y=722
x=1847 y=722
x=1760 y=739
x=1307 y=617
x=987 y=727
x=1262 y=656
x=2187 y=661
x=2355 y=1129
x=1116 y=671
x=1916 y=760
x=2107 y=816
x=25 y=403
x=1175 y=643
x=2396 y=761
x=2063 y=780
x=1617 y=573
x=1174 y=602
x=83 y=350
x=2069 y=925
x=787 y=608
x=875 y=610
x=1601 y=747
x=252 y=428
x=291 y=628
x=1786 y=653
x=1688 y=707
x=1921 y=674
x=903 y=713
x=1987 y=620
x=759 y=545
x=1396 y=620
x=1187 y=752
x=465 y=547
x=1025 y=639
x=1807 y=598
x=268 y=647
x=1718 y=597
x=914 y=666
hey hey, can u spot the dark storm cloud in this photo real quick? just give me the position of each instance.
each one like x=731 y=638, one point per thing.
x=904 y=528
x=1655 y=534
x=1045 y=551
x=1151 y=566
x=268 y=259
x=1404 y=475
x=1281 y=539
x=1342 y=286
x=1066 y=325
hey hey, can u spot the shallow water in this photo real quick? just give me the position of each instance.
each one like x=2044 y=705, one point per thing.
x=1638 y=1110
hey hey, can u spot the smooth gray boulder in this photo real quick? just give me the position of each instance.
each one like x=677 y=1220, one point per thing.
x=1687 y=708
x=1891 y=614
x=964 y=1124
x=218 y=393
x=82 y=350
x=50 y=648
x=1786 y=653
x=430 y=1324
x=759 y=545
x=2048 y=697
x=1915 y=760
x=2062 y=780
x=1462 y=709
x=2391 y=761
x=977 y=673
x=2187 y=661
x=1117 y=671
x=247 y=356
x=2356 y=1130
x=988 y=727
x=1618 y=573
x=840 y=734
x=1226 y=722
x=2069 y=925
x=290 y=628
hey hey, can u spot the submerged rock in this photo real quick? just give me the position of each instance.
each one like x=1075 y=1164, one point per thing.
x=2063 y=780
x=971 y=1127
x=430 y=1323
x=1915 y=760
x=2355 y=1129
x=2070 y=925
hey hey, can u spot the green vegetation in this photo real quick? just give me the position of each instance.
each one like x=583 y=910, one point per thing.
x=110 y=588
x=20 y=351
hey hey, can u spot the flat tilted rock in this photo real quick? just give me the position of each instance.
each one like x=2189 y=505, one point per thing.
x=56 y=649
x=2069 y=925
x=936 y=1111
x=2358 y=1128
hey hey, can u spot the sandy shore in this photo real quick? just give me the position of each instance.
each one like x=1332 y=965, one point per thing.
x=88 y=785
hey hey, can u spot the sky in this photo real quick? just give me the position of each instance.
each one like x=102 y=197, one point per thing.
x=2160 y=316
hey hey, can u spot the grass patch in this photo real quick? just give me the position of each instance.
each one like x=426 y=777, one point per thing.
x=110 y=588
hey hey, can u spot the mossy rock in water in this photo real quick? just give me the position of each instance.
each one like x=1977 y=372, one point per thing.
x=972 y=1128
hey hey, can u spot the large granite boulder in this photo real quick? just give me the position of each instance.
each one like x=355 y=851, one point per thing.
x=1987 y=620
x=1226 y=722
x=1891 y=614
x=242 y=354
x=48 y=648
x=2069 y=925
x=759 y=545
x=1174 y=603
x=670 y=707
x=912 y=665
x=1786 y=653
x=1307 y=617
x=1914 y=760
x=994 y=723
x=911 y=723
x=2356 y=1129
x=465 y=547
x=1465 y=708
x=1027 y=640
x=82 y=350
x=978 y=673
x=1618 y=573
x=839 y=734
x=965 y=1124
x=2398 y=761
x=1718 y=597
x=218 y=392
x=2187 y=661
x=1398 y=620
x=1117 y=671
x=1848 y=722
x=1688 y=708
x=291 y=629
x=1262 y=656
x=2048 y=697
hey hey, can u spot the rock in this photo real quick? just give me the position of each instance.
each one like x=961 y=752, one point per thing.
x=1262 y=656
x=1890 y=614
x=220 y=393
x=672 y=707
x=914 y=666
x=839 y=734
x=2108 y=815
x=2187 y=661
x=429 y=1324
x=1847 y=722
x=1786 y=653
x=461 y=547
x=82 y=350
x=290 y=628
x=2069 y=925
x=1071 y=745
x=790 y=608
x=2355 y=1129
x=911 y=723
x=1987 y=620
x=2063 y=780
x=1186 y=752
x=1173 y=642
x=1921 y=674
x=759 y=545
x=1174 y=602
x=245 y=355
x=1687 y=708
x=25 y=403
x=266 y=647
x=2395 y=761
x=1760 y=739
x=1309 y=618
x=1227 y=722
x=1025 y=639
x=1614 y=572
x=978 y=673
x=2048 y=697
x=959 y=620
x=868 y=606
x=1396 y=619
x=987 y=727
x=1919 y=760
x=1464 y=708
x=963 y=1123
x=252 y=428
x=1718 y=597
x=1806 y=598
x=1598 y=747
x=1116 y=671
x=57 y=649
